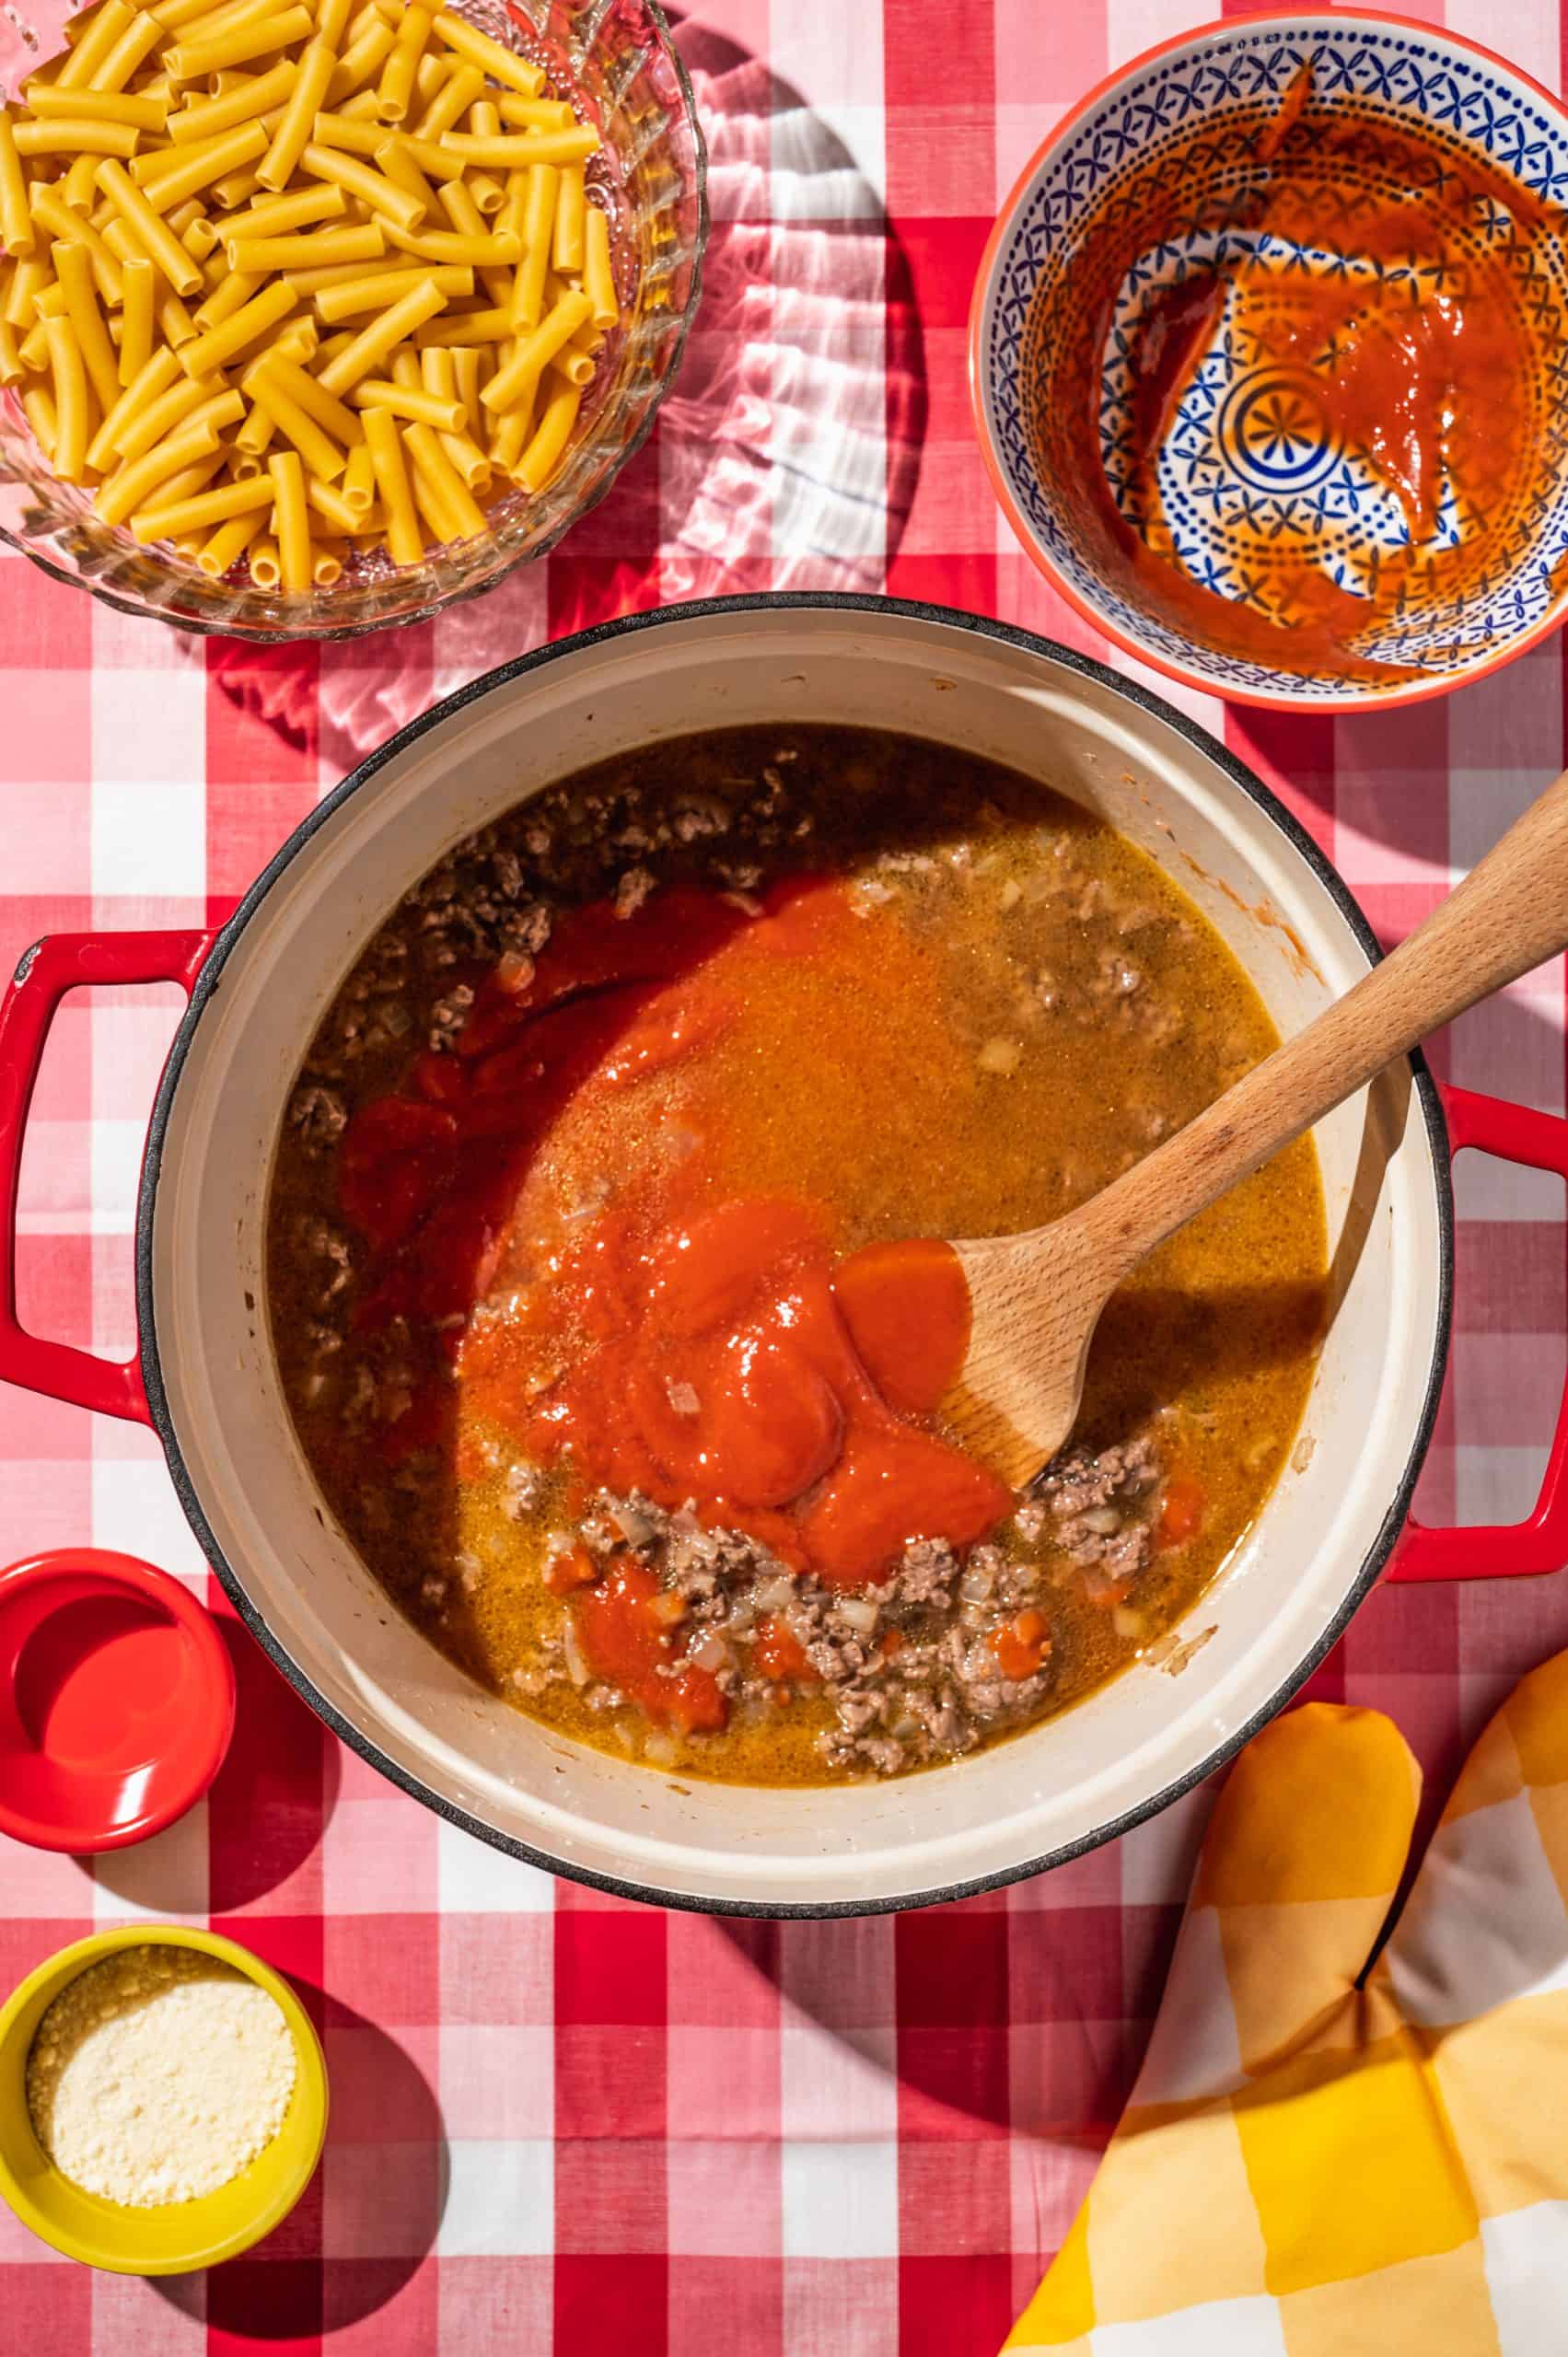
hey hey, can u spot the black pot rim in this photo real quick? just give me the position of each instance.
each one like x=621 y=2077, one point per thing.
x=207 y=982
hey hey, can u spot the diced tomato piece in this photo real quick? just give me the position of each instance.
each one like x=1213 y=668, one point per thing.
x=576 y=1568
x=1181 y=1511
x=627 y=1647
x=621 y=1640
x=777 y=1652
x=694 y=1703
x=1021 y=1645
x=892 y=1642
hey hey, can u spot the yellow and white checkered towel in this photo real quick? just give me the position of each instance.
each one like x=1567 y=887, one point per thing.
x=1319 y=2161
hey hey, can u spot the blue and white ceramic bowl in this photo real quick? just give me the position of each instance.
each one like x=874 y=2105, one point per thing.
x=1250 y=443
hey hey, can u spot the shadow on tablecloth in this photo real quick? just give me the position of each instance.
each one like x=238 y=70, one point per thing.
x=785 y=458
x=269 y=1806
x=1023 y=2014
x=375 y=2204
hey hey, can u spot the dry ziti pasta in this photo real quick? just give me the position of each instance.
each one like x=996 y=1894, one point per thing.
x=287 y=281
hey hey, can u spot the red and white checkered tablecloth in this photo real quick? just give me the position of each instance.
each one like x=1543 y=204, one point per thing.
x=561 y=2123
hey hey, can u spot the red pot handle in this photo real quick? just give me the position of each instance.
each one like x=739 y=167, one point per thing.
x=1479 y=1552
x=61 y=963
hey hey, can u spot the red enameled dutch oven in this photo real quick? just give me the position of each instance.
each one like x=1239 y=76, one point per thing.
x=205 y=1375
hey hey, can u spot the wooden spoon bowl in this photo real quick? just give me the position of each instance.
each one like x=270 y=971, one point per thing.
x=1035 y=1298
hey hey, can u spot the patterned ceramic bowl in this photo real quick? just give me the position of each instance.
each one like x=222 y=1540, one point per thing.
x=1252 y=489
x=616 y=60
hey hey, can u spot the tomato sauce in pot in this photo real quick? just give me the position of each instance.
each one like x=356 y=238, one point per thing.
x=592 y=1277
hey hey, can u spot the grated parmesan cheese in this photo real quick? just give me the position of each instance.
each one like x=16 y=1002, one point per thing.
x=157 y=2074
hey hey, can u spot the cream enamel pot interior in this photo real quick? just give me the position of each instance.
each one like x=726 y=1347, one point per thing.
x=213 y=1391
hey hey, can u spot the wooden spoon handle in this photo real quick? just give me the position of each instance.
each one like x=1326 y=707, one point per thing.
x=1509 y=914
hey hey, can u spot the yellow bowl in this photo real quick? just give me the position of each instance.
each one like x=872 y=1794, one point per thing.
x=179 y=2235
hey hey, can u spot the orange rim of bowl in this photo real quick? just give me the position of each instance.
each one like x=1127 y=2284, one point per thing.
x=310 y=2090
x=1188 y=677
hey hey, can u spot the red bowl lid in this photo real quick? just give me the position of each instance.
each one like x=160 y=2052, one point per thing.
x=116 y=1700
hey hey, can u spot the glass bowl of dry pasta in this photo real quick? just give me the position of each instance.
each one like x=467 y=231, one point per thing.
x=319 y=315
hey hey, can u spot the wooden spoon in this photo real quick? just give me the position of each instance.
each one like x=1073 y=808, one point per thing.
x=1036 y=1299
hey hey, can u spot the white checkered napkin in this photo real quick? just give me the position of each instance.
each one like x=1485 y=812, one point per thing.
x=1319 y=2160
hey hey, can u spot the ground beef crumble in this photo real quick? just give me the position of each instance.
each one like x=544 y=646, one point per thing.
x=495 y=898
x=448 y=1017
x=318 y=1114
x=907 y=1667
x=1094 y=1508
x=633 y=890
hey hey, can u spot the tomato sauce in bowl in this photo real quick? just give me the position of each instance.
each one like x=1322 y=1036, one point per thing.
x=589 y=1272
x=1290 y=394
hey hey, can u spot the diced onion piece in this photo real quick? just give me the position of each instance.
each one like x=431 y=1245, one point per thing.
x=860 y=1614
x=1000 y=1056
x=633 y=1525
x=577 y=1668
